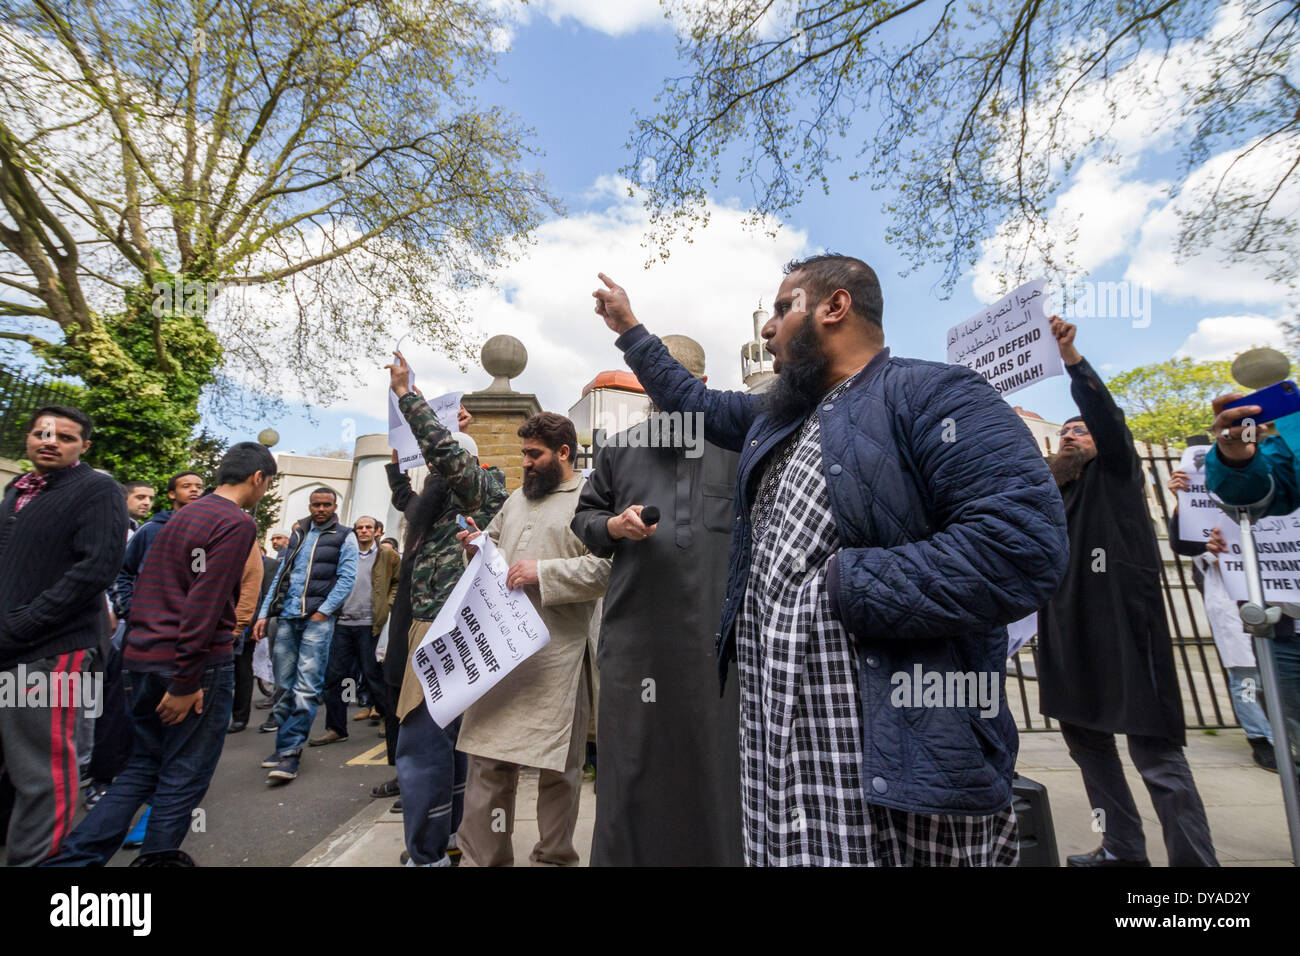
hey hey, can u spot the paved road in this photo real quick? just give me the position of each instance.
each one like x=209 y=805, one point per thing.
x=249 y=823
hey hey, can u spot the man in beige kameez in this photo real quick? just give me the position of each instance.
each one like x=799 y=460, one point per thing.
x=538 y=715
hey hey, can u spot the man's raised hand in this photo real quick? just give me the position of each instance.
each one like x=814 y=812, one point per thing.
x=613 y=306
x=399 y=375
x=1234 y=438
x=1063 y=332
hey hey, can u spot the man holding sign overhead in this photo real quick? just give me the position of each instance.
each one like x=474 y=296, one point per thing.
x=1105 y=660
x=429 y=772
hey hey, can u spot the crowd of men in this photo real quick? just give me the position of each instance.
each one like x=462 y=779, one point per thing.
x=868 y=516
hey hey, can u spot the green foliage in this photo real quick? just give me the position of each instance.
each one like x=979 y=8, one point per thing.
x=334 y=155
x=1166 y=402
x=143 y=410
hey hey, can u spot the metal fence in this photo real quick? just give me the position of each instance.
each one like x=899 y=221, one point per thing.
x=1207 y=704
x=19 y=397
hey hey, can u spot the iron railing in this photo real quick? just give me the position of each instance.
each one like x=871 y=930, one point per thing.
x=1207 y=704
x=19 y=397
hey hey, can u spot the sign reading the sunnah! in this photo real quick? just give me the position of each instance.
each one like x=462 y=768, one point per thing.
x=1010 y=343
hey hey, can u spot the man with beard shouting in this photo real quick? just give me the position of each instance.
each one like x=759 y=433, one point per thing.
x=1105 y=660
x=892 y=516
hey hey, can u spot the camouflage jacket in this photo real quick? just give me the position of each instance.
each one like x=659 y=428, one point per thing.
x=474 y=491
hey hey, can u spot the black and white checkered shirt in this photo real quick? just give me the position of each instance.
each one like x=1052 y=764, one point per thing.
x=800 y=732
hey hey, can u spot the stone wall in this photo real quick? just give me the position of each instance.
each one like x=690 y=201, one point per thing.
x=9 y=469
x=496 y=434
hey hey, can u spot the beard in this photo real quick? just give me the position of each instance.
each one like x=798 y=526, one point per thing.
x=1067 y=465
x=802 y=379
x=541 y=480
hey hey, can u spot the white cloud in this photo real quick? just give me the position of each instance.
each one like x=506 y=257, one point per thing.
x=621 y=17
x=707 y=289
x=1108 y=212
x=1209 y=276
x=1227 y=336
x=1093 y=222
x=613 y=17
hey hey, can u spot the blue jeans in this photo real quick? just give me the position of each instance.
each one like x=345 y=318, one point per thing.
x=1246 y=702
x=299 y=659
x=431 y=773
x=170 y=768
x=1286 y=653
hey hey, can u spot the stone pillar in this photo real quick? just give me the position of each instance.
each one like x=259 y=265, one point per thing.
x=498 y=410
x=370 y=493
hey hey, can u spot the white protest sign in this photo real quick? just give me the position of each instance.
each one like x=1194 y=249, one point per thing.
x=1277 y=544
x=1277 y=539
x=400 y=436
x=1020 y=633
x=482 y=633
x=1010 y=343
x=1197 y=512
x=262 y=661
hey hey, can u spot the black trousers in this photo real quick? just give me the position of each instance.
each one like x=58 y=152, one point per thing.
x=243 y=682
x=1168 y=779
x=114 y=729
x=352 y=647
x=391 y=723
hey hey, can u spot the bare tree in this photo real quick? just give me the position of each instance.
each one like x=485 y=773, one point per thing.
x=975 y=114
x=329 y=159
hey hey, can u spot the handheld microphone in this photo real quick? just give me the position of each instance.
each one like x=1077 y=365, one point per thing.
x=649 y=515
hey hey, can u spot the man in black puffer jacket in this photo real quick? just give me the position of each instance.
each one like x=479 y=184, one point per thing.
x=892 y=517
x=62 y=536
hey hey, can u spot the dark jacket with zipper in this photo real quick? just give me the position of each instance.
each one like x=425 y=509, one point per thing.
x=321 y=572
x=952 y=527
x=57 y=557
x=136 y=549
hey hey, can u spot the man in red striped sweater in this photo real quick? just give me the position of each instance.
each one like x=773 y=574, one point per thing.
x=179 y=667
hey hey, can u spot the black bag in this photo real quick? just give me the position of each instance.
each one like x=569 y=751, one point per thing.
x=1034 y=823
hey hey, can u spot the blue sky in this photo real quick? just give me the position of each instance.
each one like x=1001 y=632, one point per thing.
x=575 y=70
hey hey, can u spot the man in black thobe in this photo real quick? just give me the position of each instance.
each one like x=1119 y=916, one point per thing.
x=1106 y=662
x=669 y=757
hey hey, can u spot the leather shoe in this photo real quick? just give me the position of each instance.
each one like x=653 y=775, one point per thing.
x=329 y=737
x=236 y=726
x=1098 y=857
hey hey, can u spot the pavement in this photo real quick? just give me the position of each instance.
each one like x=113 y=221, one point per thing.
x=1243 y=802
x=374 y=836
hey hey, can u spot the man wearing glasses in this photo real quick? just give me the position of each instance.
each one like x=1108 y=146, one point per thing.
x=1106 y=662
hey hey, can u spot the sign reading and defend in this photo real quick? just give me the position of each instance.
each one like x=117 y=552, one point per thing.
x=482 y=633
x=1010 y=343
